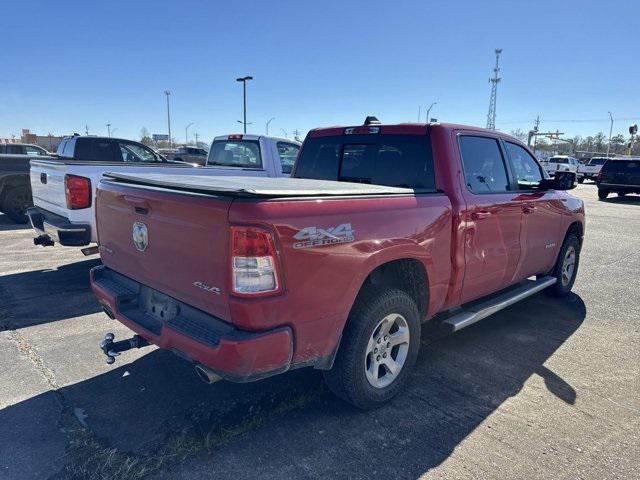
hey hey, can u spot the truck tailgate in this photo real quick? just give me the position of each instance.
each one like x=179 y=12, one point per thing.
x=47 y=186
x=173 y=242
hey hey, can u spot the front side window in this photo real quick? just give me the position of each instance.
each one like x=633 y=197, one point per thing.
x=235 y=153
x=287 y=153
x=33 y=151
x=132 y=152
x=525 y=167
x=484 y=168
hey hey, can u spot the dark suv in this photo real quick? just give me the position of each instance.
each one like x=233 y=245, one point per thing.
x=619 y=176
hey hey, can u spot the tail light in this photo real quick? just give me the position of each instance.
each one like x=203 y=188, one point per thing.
x=78 y=192
x=254 y=262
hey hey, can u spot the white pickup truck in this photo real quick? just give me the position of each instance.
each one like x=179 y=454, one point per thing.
x=591 y=169
x=561 y=163
x=63 y=188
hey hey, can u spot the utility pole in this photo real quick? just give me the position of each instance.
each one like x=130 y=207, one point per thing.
x=86 y=129
x=533 y=133
x=267 y=125
x=296 y=134
x=196 y=135
x=285 y=133
x=244 y=81
x=109 y=129
x=419 y=112
x=427 y=120
x=491 y=116
x=186 y=134
x=167 y=93
x=610 y=131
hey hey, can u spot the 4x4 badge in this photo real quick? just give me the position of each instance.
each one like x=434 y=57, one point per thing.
x=140 y=236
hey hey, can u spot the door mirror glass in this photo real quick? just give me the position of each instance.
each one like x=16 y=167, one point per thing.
x=564 y=181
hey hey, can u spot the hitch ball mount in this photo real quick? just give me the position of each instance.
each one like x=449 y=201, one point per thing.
x=112 y=349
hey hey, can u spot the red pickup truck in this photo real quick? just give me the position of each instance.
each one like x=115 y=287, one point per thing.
x=382 y=228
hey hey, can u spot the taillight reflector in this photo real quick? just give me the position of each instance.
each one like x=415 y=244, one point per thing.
x=254 y=262
x=77 y=191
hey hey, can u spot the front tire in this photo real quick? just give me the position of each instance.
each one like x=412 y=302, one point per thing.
x=566 y=267
x=379 y=348
x=602 y=194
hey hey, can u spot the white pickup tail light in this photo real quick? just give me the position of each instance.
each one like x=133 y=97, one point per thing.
x=254 y=262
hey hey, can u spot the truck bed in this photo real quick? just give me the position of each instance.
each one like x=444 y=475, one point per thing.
x=255 y=186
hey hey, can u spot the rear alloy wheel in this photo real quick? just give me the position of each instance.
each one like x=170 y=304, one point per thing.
x=602 y=194
x=378 y=349
x=15 y=204
x=566 y=267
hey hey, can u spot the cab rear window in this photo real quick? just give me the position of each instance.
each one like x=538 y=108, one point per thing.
x=391 y=160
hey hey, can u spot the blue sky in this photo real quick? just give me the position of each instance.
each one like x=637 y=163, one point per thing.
x=67 y=64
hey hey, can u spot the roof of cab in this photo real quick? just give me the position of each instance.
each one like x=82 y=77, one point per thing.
x=402 y=129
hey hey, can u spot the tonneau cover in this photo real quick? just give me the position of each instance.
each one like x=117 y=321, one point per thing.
x=255 y=186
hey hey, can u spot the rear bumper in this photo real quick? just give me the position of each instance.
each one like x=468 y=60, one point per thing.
x=619 y=187
x=58 y=228
x=234 y=354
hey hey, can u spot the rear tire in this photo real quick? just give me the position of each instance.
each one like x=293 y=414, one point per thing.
x=602 y=194
x=15 y=203
x=581 y=180
x=566 y=267
x=379 y=348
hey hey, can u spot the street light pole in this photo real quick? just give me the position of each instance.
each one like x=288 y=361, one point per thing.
x=167 y=93
x=244 y=99
x=270 y=120
x=186 y=134
x=429 y=110
x=610 y=131
x=109 y=129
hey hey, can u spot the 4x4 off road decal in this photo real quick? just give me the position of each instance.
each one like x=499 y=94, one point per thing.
x=319 y=237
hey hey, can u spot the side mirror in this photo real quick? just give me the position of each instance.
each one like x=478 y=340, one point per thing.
x=563 y=181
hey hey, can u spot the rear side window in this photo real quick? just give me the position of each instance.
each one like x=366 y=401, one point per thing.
x=236 y=153
x=390 y=160
x=287 y=153
x=15 y=149
x=97 y=150
x=484 y=168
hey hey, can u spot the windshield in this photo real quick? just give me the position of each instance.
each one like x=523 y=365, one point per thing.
x=235 y=153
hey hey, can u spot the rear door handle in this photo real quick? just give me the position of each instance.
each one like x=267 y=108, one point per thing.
x=480 y=215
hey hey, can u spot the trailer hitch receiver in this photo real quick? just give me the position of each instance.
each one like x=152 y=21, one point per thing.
x=112 y=349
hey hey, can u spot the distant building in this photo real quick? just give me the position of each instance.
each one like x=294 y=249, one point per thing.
x=49 y=142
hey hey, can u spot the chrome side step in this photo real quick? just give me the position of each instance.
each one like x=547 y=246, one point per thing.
x=477 y=312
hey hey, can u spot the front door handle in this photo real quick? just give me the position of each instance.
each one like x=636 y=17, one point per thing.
x=528 y=208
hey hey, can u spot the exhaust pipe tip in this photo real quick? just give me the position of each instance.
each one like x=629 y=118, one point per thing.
x=207 y=375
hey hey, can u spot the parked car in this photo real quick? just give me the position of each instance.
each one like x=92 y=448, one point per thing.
x=591 y=169
x=15 y=191
x=562 y=163
x=619 y=175
x=382 y=228
x=265 y=156
x=64 y=188
x=191 y=155
x=168 y=153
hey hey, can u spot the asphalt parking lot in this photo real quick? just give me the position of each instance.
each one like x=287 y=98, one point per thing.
x=545 y=389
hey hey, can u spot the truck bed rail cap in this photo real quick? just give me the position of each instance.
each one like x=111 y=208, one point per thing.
x=254 y=186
